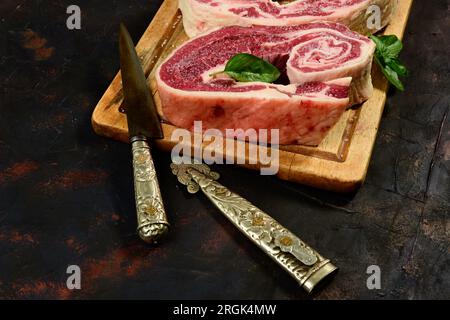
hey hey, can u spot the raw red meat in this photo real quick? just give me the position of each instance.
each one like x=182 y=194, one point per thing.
x=203 y=15
x=320 y=60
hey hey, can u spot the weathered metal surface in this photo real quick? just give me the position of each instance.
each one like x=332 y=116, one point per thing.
x=66 y=194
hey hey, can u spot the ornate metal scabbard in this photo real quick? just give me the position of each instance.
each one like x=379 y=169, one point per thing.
x=301 y=261
x=151 y=216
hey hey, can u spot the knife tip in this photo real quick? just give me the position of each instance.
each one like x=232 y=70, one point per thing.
x=122 y=29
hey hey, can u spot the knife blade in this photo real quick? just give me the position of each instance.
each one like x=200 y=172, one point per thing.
x=143 y=126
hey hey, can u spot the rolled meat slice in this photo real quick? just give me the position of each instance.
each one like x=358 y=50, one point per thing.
x=319 y=60
x=203 y=15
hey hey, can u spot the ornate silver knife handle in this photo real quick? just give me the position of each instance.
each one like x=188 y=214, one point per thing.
x=151 y=216
x=301 y=261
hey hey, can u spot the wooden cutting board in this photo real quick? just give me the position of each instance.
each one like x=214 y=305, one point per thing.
x=339 y=163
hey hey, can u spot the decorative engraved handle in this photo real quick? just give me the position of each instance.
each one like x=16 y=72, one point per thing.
x=302 y=262
x=151 y=216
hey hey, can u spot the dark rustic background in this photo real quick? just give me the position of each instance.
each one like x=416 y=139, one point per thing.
x=66 y=195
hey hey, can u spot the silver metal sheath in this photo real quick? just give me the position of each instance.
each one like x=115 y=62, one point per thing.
x=301 y=261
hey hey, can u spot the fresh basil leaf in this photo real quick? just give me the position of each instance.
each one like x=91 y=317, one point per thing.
x=392 y=46
x=392 y=76
x=398 y=67
x=250 y=76
x=379 y=44
x=386 y=55
x=388 y=46
x=245 y=67
x=388 y=40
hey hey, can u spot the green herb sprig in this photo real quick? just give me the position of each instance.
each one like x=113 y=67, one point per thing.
x=245 y=67
x=386 y=55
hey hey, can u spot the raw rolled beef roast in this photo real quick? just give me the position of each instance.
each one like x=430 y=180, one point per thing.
x=319 y=59
x=203 y=15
